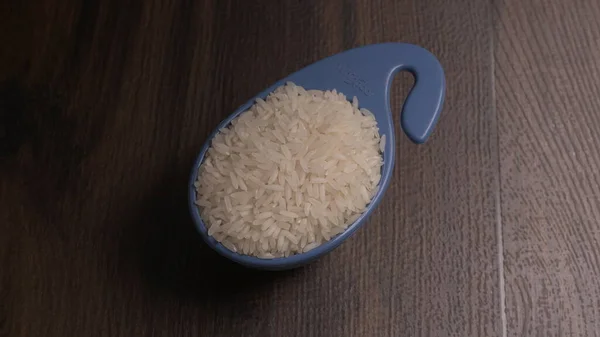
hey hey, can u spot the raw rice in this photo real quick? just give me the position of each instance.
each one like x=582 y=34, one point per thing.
x=290 y=173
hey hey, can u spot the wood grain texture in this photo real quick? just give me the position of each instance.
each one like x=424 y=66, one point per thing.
x=547 y=100
x=104 y=105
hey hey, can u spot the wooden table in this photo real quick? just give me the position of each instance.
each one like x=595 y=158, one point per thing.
x=490 y=229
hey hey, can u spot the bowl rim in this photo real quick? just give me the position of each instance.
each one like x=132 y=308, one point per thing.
x=296 y=260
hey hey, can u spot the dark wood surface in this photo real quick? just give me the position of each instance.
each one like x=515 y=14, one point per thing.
x=547 y=93
x=490 y=229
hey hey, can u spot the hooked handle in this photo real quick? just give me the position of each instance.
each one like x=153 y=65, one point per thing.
x=368 y=71
x=371 y=69
x=423 y=105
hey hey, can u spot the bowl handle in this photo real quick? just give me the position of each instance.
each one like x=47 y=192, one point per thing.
x=379 y=63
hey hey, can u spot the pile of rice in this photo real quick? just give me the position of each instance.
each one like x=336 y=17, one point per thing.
x=290 y=173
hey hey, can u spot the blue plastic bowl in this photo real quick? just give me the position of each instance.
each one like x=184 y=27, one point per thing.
x=366 y=73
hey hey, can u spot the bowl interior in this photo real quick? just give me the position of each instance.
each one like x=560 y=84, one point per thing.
x=377 y=104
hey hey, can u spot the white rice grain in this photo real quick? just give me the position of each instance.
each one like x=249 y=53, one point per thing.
x=382 y=143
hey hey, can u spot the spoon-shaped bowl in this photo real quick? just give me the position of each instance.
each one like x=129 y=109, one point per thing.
x=366 y=73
